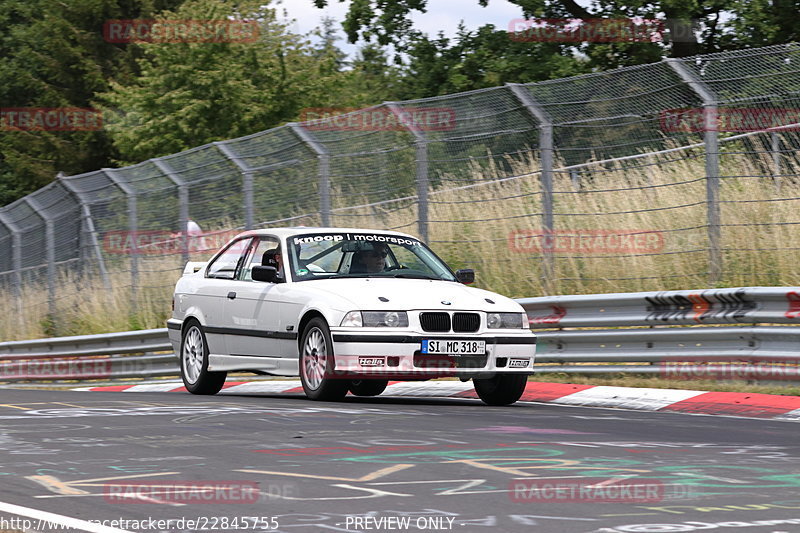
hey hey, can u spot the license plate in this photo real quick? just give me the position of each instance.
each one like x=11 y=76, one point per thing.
x=446 y=347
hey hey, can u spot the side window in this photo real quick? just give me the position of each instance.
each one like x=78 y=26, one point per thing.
x=264 y=244
x=408 y=258
x=225 y=265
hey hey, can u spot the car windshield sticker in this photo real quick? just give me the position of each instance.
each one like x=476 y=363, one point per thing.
x=302 y=271
x=338 y=237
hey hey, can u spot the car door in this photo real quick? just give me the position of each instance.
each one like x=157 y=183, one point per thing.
x=215 y=289
x=253 y=311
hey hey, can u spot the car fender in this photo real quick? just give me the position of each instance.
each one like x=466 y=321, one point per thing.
x=331 y=307
x=333 y=317
x=196 y=313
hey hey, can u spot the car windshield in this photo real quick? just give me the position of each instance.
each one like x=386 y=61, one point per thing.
x=357 y=255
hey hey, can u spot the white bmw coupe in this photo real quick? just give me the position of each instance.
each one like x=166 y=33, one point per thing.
x=346 y=310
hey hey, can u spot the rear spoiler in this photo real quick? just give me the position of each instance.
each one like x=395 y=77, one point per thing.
x=193 y=266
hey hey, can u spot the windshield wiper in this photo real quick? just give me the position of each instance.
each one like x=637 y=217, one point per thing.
x=415 y=276
x=338 y=276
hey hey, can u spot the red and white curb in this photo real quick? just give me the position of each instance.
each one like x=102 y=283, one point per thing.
x=770 y=406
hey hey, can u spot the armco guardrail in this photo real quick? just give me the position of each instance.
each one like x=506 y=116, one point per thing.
x=747 y=305
x=768 y=352
x=745 y=350
x=104 y=356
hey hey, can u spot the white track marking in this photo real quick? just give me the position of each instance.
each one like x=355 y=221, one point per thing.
x=625 y=397
x=68 y=522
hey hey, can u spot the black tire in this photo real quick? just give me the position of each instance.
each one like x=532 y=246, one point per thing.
x=194 y=362
x=317 y=364
x=368 y=387
x=502 y=389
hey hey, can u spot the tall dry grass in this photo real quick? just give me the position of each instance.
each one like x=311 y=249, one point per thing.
x=470 y=227
x=85 y=304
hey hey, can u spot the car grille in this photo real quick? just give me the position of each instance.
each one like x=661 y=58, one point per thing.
x=441 y=323
x=435 y=322
x=466 y=322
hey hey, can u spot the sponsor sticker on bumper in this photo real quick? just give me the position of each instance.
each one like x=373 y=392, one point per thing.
x=370 y=361
x=518 y=363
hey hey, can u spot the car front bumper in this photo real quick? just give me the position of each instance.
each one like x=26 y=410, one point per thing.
x=389 y=355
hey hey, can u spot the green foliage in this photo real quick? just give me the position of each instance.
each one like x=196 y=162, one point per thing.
x=371 y=79
x=762 y=22
x=484 y=58
x=194 y=93
x=52 y=54
x=693 y=26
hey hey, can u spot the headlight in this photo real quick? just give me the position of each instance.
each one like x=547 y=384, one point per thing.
x=376 y=319
x=506 y=320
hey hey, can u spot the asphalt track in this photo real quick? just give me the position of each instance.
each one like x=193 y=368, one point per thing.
x=267 y=462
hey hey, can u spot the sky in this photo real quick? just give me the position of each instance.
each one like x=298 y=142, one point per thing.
x=442 y=15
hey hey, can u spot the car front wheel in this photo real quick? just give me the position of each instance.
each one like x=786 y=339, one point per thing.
x=502 y=389
x=317 y=364
x=194 y=363
x=368 y=387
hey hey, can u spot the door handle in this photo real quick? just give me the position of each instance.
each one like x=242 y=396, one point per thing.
x=231 y=295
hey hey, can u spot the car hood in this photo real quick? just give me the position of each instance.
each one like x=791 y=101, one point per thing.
x=409 y=294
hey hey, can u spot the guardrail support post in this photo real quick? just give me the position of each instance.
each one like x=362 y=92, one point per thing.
x=183 y=204
x=16 y=264
x=324 y=170
x=546 y=150
x=50 y=254
x=711 y=141
x=423 y=180
x=133 y=228
x=247 y=181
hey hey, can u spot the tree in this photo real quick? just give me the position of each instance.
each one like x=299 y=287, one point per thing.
x=370 y=79
x=192 y=93
x=53 y=55
x=327 y=50
x=480 y=59
x=692 y=26
x=761 y=23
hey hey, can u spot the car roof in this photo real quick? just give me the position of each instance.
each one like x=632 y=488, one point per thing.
x=302 y=230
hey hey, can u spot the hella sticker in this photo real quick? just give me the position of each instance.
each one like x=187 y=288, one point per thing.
x=518 y=363
x=370 y=361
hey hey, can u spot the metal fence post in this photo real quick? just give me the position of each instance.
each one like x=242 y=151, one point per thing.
x=247 y=181
x=133 y=228
x=50 y=254
x=87 y=229
x=422 y=178
x=711 y=141
x=324 y=171
x=775 y=149
x=16 y=263
x=546 y=149
x=183 y=205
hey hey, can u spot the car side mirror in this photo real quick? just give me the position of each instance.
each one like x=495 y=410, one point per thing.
x=465 y=276
x=266 y=273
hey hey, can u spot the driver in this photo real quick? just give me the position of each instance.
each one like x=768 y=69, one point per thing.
x=370 y=261
x=274 y=258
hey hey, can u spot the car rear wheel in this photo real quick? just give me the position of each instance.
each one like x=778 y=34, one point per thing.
x=194 y=363
x=368 y=387
x=502 y=389
x=317 y=364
